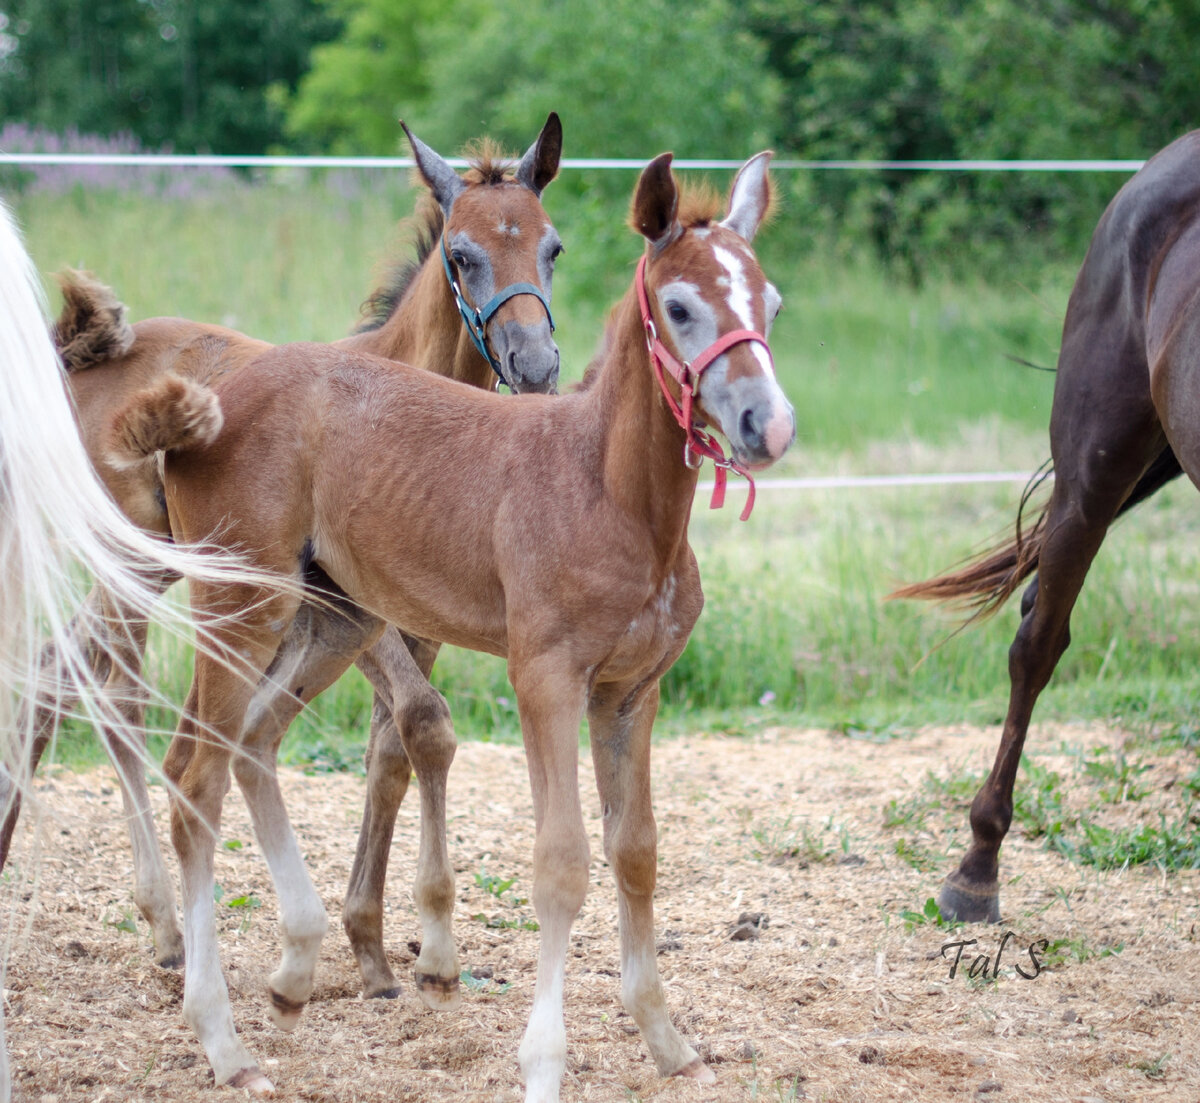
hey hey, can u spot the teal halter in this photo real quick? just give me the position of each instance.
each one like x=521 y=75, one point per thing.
x=476 y=320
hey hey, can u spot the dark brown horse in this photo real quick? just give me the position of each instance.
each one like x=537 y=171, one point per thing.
x=486 y=240
x=551 y=531
x=1125 y=421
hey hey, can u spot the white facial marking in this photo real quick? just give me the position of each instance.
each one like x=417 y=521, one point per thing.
x=740 y=300
x=504 y=228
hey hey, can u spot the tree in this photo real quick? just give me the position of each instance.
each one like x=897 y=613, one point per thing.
x=630 y=77
x=196 y=76
x=362 y=83
x=922 y=79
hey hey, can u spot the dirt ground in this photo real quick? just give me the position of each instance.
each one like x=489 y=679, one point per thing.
x=836 y=998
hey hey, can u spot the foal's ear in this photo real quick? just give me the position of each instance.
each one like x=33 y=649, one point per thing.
x=750 y=197
x=656 y=202
x=436 y=171
x=540 y=164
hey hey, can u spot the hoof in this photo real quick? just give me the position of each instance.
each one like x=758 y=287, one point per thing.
x=697 y=1070
x=173 y=960
x=439 y=993
x=968 y=903
x=392 y=993
x=252 y=1081
x=284 y=1013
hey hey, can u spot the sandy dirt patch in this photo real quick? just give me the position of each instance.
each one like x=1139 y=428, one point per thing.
x=834 y=997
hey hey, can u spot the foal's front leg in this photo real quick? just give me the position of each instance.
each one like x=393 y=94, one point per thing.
x=620 y=719
x=551 y=697
x=410 y=729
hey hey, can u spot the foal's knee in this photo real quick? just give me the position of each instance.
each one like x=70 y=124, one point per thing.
x=427 y=730
x=560 y=871
x=632 y=852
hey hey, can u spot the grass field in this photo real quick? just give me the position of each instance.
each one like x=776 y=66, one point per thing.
x=885 y=378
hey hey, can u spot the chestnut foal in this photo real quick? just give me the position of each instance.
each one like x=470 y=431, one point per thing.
x=552 y=531
x=487 y=240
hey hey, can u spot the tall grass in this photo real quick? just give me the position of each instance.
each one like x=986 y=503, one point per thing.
x=885 y=376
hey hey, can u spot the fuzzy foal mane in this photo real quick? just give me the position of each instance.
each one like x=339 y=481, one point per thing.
x=699 y=204
x=488 y=166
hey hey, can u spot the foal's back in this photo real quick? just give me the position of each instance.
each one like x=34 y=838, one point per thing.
x=444 y=509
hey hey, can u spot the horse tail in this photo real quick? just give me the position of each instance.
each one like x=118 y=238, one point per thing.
x=172 y=413
x=91 y=328
x=986 y=582
x=983 y=584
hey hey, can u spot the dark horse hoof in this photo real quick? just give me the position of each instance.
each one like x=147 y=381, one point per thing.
x=966 y=903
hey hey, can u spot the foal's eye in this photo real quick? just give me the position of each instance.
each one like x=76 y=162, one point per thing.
x=558 y=252
x=677 y=312
x=460 y=260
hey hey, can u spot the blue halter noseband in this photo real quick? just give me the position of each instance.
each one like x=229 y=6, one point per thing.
x=476 y=320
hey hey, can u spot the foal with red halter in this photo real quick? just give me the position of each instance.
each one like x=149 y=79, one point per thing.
x=551 y=531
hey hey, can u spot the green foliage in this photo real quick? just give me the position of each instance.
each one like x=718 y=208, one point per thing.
x=630 y=78
x=787 y=842
x=483 y=985
x=172 y=72
x=930 y=915
x=1172 y=845
x=1116 y=774
x=1155 y=1069
x=122 y=920
x=1078 y=949
x=499 y=888
x=975 y=79
x=376 y=72
x=1038 y=807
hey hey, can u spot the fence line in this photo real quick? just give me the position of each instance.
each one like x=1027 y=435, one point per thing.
x=818 y=482
x=201 y=160
x=858 y=482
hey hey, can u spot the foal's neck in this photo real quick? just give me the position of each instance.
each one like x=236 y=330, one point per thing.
x=426 y=330
x=643 y=463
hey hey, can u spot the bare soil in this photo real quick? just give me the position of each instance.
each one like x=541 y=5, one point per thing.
x=826 y=993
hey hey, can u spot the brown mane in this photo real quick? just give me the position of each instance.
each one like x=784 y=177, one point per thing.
x=488 y=165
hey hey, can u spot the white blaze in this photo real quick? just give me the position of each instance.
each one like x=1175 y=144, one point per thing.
x=741 y=301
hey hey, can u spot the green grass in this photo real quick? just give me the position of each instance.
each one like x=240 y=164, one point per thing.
x=885 y=377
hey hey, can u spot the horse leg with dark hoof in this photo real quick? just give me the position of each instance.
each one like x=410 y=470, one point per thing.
x=963 y=902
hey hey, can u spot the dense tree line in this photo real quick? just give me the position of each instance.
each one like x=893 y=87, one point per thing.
x=894 y=79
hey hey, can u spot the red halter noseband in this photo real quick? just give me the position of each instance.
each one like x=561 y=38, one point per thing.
x=699 y=443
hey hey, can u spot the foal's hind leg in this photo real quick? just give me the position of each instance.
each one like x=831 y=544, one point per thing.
x=1104 y=433
x=318 y=647
x=410 y=729
x=197 y=764
x=125 y=740
x=112 y=643
x=620 y=719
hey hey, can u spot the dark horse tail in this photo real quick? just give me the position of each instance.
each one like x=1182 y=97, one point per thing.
x=990 y=579
x=91 y=328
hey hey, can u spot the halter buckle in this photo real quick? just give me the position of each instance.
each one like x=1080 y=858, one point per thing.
x=651 y=334
x=689 y=455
